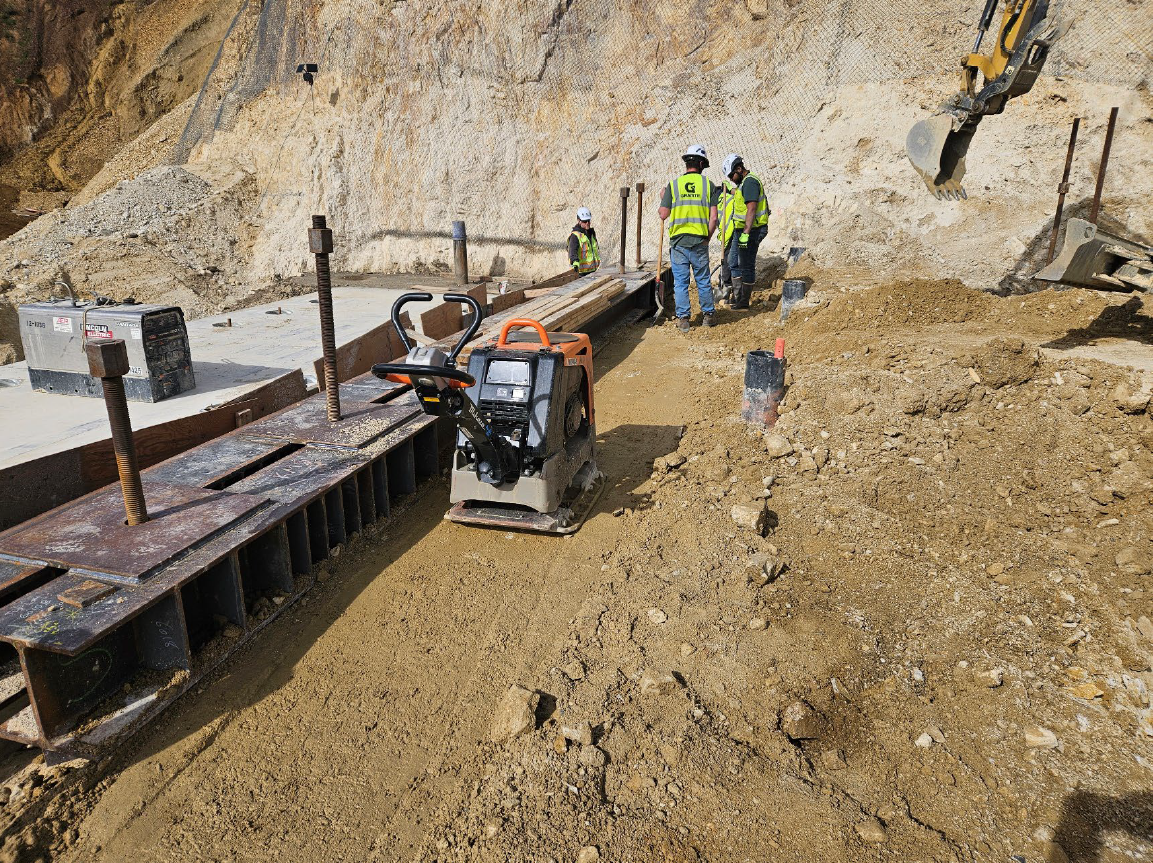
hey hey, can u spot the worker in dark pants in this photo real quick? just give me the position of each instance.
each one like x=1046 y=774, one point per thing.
x=751 y=221
x=725 y=235
x=584 y=254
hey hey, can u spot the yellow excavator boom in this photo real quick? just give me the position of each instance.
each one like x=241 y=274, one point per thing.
x=937 y=146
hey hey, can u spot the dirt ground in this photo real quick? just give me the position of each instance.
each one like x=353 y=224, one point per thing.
x=940 y=650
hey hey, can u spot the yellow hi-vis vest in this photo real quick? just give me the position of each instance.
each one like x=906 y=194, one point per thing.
x=761 y=216
x=728 y=225
x=590 y=253
x=689 y=214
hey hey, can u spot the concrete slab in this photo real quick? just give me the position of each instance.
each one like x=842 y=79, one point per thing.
x=263 y=343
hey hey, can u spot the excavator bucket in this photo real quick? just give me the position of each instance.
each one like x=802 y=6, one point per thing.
x=1093 y=258
x=937 y=150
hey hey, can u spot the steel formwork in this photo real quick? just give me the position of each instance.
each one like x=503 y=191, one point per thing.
x=102 y=624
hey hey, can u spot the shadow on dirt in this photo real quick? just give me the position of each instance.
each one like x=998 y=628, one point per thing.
x=1126 y=321
x=1086 y=819
x=1019 y=278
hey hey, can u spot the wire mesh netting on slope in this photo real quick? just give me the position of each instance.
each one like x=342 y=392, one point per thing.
x=623 y=60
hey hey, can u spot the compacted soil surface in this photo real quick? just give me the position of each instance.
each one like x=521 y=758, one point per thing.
x=909 y=622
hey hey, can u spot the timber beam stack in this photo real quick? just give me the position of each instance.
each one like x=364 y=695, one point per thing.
x=567 y=310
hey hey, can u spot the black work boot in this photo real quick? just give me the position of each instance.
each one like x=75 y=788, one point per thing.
x=708 y=320
x=740 y=297
x=683 y=324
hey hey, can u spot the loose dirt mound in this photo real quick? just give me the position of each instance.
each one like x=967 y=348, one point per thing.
x=169 y=236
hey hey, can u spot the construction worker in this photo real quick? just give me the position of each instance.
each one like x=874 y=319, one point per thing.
x=691 y=202
x=584 y=253
x=725 y=234
x=751 y=220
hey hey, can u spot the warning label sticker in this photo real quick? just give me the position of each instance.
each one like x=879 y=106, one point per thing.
x=98 y=331
x=62 y=325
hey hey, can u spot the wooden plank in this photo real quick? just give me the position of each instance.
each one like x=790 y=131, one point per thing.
x=552 y=282
x=564 y=309
x=39 y=485
x=500 y=302
x=479 y=293
x=442 y=321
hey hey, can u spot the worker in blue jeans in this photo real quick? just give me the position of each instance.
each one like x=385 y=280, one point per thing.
x=690 y=204
x=751 y=216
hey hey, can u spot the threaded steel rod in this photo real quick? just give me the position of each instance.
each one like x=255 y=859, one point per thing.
x=327 y=327
x=1063 y=189
x=1104 y=165
x=624 y=226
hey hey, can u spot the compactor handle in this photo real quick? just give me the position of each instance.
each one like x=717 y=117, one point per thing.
x=477 y=315
x=401 y=301
x=403 y=373
x=502 y=342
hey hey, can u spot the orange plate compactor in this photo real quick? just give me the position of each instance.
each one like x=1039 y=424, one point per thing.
x=526 y=431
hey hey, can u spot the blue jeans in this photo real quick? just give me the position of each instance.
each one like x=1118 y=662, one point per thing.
x=696 y=259
x=743 y=262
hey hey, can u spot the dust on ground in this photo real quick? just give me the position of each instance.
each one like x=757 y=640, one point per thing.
x=940 y=650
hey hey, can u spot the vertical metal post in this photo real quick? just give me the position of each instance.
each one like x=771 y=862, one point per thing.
x=1104 y=165
x=320 y=244
x=108 y=360
x=460 y=252
x=624 y=226
x=640 y=210
x=1063 y=188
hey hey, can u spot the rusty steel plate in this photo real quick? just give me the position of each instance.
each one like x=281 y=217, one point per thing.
x=369 y=388
x=90 y=533
x=215 y=462
x=361 y=422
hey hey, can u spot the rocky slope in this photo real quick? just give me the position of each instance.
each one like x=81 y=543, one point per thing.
x=88 y=78
x=510 y=115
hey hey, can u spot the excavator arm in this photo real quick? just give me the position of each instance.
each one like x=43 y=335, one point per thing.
x=937 y=147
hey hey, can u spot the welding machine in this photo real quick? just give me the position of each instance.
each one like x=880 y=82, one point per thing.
x=53 y=335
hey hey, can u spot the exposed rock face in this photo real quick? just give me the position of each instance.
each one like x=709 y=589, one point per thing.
x=90 y=77
x=509 y=116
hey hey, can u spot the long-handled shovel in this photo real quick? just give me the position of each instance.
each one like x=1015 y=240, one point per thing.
x=660 y=287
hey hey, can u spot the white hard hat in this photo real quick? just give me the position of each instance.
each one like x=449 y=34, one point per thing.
x=731 y=162
x=696 y=151
x=584 y=214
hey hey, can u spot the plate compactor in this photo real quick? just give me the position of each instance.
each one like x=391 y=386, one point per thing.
x=525 y=444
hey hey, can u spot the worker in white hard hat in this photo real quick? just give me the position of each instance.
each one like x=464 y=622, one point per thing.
x=750 y=225
x=690 y=203
x=584 y=253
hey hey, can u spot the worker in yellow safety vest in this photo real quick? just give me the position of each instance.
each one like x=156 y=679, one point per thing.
x=751 y=219
x=725 y=235
x=689 y=205
x=584 y=253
